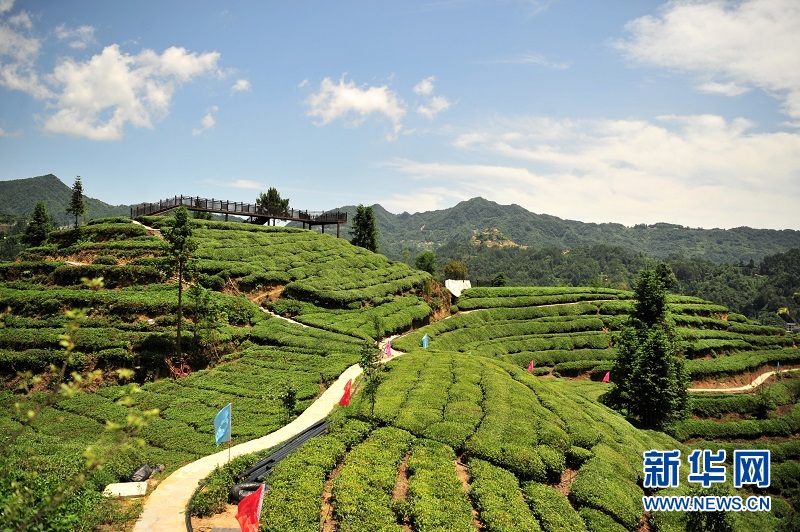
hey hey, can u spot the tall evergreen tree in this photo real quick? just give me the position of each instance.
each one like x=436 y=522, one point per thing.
x=77 y=203
x=650 y=381
x=365 y=229
x=38 y=226
x=179 y=237
x=272 y=201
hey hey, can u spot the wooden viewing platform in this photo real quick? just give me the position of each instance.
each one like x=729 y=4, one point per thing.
x=255 y=213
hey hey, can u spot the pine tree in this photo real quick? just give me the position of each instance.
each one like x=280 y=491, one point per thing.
x=179 y=237
x=38 y=227
x=650 y=381
x=365 y=230
x=77 y=203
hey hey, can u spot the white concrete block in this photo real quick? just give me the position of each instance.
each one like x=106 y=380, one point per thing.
x=126 y=489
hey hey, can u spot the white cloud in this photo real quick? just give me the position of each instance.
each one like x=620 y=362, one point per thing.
x=98 y=97
x=22 y=19
x=434 y=104
x=341 y=100
x=529 y=59
x=79 y=37
x=4 y=133
x=19 y=50
x=241 y=85
x=701 y=171
x=728 y=46
x=425 y=87
x=208 y=122
x=246 y=184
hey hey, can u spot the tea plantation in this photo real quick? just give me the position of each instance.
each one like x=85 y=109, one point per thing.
x=461 y=436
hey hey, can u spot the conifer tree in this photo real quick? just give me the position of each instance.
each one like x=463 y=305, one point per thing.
x=181 y=244
x=365 y=229
x=650 y=381
x=38 y=227
x=77 y=203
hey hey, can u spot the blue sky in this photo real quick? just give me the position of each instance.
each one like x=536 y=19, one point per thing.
x=630 y=111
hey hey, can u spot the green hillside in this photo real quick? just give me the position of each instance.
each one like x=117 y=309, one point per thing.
x=460 y=437
x=429 y=230
x=18 y=197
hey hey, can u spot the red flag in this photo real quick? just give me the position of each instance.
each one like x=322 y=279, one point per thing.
x=530 y=367
x=249 y=510
x=751 y=379
x=607 y=377
x=345 y=400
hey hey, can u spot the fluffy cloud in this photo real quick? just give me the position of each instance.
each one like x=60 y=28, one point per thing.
x=692 y=170
x=98 y=97
x=425 y=87
x=79 y=37
x=434 y=104
x=241 y=85
x=729 y=47
x=18 y=52
x=208 y=122
x=344 y=100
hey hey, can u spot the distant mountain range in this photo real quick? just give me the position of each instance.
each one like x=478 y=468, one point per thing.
x=484 y=222
x=18 y=197
x=476 y=222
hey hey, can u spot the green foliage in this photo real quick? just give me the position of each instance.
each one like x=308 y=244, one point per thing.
x=271 y=202
x=364 y=229
x=77 y=204
x=38 y=227
x=296 y=485
x=649 y=379
x=551 y=508
x=454 y=269
x=366 y=481
x=435 y=494
x=495 y=493
x=426 y=261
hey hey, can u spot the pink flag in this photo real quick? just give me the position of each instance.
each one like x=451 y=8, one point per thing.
x=607 y=377
x=249 y=510
x=530 y=367
x=345 y=400
x=388 y=350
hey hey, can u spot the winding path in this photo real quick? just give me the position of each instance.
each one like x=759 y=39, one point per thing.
x=758 y=381
x=165 y=508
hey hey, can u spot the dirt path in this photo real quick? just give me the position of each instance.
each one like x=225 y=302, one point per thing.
x=747 y=387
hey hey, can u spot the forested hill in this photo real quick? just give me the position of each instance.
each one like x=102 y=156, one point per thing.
x=429 y=230
x=18 y=197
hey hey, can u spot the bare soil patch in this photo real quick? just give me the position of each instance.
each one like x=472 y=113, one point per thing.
x=567 y=477
x=400 y=492
x=462 y=471
x=328 y=522
x=226 y=519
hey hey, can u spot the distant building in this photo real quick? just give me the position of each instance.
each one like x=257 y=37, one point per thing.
x=791 y=327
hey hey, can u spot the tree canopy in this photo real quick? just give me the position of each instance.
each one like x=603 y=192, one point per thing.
x=77 y=203
x=454 y=269
x=38 y=227
x=649 y=379
x=365 y=229
x=272 y=202
x=426 y=261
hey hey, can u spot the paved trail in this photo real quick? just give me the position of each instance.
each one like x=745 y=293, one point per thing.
x=164 y=509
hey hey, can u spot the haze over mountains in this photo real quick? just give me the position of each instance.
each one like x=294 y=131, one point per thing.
x=477 y=218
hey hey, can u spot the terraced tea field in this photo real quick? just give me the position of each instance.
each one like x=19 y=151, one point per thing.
x=461 y=436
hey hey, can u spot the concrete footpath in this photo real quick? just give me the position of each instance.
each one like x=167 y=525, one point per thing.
x=164 y=510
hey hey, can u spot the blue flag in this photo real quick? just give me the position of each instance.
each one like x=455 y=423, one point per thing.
x=425 y=341
x=222 y=424
x=779 y=366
